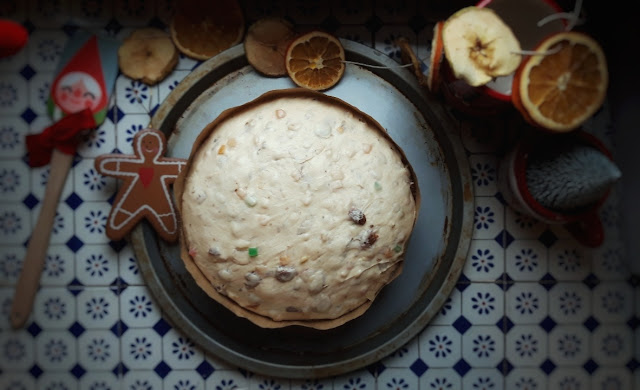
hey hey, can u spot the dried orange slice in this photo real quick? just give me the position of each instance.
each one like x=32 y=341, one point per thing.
x=201 y=29
x=408 y=56
x=315 y=60
x=564 y=87
x=437 y=54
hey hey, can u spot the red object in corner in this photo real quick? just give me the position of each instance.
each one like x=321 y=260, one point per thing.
x=13 y=37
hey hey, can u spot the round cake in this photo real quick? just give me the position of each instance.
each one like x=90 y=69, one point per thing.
x=295 y=208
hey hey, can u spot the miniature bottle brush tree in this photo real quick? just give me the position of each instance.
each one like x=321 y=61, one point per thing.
x=569 y=176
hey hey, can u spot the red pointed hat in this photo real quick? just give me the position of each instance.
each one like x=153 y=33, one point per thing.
x=86 y=60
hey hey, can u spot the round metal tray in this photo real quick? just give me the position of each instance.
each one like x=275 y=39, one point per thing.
x=435 y=255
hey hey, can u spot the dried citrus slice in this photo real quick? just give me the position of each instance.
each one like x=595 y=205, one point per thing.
x=203 y=28
x=266 y=44
x=408 y=56
x=564 y=87
x=315 y=60
x=437 y=54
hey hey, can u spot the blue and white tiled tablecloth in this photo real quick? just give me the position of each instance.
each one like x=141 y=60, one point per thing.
x=532 y=310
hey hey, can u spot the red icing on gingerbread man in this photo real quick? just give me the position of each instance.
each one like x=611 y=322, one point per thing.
x=145 y=192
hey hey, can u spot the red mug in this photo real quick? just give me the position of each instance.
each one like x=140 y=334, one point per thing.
x=584 y=224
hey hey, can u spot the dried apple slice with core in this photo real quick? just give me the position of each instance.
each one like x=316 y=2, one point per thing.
x=479 y=46
x=148 y=54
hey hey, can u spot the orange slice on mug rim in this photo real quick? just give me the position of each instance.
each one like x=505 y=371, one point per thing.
x=564 y=85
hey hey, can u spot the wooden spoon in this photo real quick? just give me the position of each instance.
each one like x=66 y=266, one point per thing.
x=34 y=259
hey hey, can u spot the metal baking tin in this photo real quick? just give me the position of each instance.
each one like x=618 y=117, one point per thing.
x=420 y=125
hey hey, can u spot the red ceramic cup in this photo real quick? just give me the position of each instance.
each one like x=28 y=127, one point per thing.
x=584 y=224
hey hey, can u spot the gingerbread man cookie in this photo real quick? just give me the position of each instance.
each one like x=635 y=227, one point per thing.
x=145 y=192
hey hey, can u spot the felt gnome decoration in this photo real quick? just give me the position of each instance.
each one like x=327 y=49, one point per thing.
x=79 y=95
x=84 y=82
x=78 y=103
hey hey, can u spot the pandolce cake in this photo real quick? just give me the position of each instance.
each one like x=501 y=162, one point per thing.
x=296 y=209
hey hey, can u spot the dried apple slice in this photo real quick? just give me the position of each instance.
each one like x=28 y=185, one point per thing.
x=148 y=54
x=479 y=46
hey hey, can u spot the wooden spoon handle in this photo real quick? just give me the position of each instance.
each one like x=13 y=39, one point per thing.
x=34 y=259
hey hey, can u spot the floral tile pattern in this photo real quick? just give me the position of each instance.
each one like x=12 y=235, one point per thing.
x=532 y=309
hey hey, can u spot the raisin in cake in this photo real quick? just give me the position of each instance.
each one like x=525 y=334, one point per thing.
x=296 y=208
